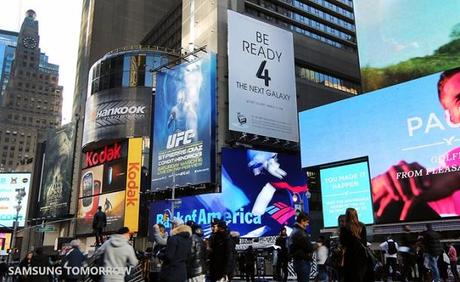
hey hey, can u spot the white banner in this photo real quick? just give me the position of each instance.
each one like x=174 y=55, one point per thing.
x=9 y=182
x=262 y=93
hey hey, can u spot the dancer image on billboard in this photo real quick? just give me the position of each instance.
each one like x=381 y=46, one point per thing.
x=428 y=194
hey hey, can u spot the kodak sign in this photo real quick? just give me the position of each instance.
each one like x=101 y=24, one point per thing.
x=109 y=153
x=133 y=183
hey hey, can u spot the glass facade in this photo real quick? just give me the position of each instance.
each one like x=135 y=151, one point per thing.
x=327 y=80
x=320 y=19
x=126 y=69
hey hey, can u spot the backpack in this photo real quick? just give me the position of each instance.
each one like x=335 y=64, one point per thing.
x=392 y=248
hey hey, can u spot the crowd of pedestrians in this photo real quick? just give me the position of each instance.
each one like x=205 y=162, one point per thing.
x=184 y=254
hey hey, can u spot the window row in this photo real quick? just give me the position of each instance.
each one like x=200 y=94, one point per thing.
x=297 y=29
x=129 y=70
x=335 y=8
x=321 y=14
x=327 y=80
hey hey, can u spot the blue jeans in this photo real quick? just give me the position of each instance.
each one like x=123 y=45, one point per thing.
x=322 y=273
x=433 y=265
x=302 y=269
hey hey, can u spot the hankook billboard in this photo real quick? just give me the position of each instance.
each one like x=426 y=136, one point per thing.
x=117 y=113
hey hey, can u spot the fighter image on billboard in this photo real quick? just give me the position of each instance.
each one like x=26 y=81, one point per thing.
x=261 y=192
x=183 y=139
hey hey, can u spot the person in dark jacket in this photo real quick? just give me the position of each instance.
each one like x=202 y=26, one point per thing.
x=301 y=248
x=73 y=258
x=220 y=253
x=353 y=237
x=433 y=249
x=25 y=263
x=196 y=265
x=177 y=253
x=283 y=256
x=40 y=260
x=407 y=251
x=99 y=223
x=250 y=261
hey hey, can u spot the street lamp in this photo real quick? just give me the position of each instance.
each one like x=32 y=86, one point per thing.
x=21 y=193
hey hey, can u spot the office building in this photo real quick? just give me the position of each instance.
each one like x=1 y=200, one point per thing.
x=32 y=98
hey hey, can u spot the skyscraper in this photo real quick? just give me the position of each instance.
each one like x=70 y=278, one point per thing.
x=8 y=40
x=32 y=99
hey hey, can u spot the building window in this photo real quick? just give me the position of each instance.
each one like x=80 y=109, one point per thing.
x=327 y=80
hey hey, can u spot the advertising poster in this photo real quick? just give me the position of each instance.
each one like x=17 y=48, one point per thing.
x=91 y=181
x=133 y=184
x=343 y=187
x=183 y=132
x=9 y=182
x=410 y=134
x=113 y=205
x=418 y=38
x=117 y=113
x=262 y=90
x=57 y=172
x=258 y=195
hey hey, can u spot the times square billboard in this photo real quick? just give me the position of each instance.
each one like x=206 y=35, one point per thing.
x=261 y=192
x=183 y=150
x=9 y=183
x=57 y=172
x=410 y=135
x=111 y=179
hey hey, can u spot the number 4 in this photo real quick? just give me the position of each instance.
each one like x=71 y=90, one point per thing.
x=265 y=75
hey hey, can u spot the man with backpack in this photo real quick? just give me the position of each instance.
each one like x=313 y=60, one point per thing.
x=390 y=248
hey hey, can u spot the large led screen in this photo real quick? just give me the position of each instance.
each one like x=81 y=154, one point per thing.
x=258 y=195
x=403 y=40
x=183 y=132
x=113 y=205
x=410 y=134
x=9 y=183
x=346 y=186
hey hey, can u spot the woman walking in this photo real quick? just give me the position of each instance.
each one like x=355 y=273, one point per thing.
x=356 y=266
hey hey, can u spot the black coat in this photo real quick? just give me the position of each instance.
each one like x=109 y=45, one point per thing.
x=283 y=255
x=355 y=263
x=99 y=220
x=74 y=258
x=221 y=255
x=40 y=261
x=197 y=260
x=300 y=246
x=177 y=255
x=432 y=243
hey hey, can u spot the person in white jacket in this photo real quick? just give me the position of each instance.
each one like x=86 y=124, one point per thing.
x=119 y=256
x=321 y=256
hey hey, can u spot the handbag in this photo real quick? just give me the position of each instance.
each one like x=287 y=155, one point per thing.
x=370 y=256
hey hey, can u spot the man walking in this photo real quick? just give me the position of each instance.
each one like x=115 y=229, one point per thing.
x=433 y=248
x=283 y=256
x=390 y=248
x=119 y=255
x=301 y=248
x=99 y=223
x=220 y=253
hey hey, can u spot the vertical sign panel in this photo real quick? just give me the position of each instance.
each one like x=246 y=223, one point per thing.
x=262 y=93
x=133 y=183
x=183 y=132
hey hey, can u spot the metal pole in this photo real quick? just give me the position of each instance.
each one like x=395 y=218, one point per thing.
x=15 y=229
x=173 y=196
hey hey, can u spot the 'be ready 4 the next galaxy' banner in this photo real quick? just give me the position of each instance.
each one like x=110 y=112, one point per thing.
x=183 y=132
x=261 y=192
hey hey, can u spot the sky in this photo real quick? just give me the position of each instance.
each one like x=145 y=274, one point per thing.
x=391 y=31
x=59 y=30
